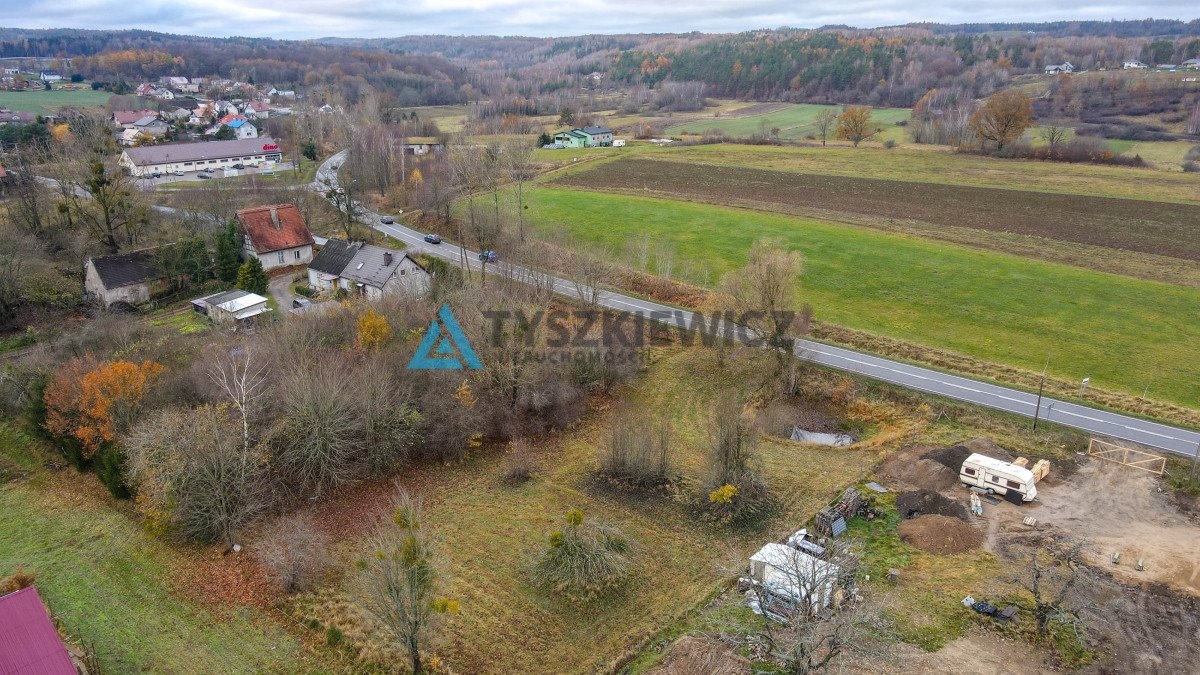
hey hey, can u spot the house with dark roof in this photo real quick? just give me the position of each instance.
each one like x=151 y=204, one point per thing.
x=276 y=235
x=132 y=278
x=29 y=642
x=366 y=270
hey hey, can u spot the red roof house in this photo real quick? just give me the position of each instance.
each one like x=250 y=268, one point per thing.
x=276 y=235
x=29 y=644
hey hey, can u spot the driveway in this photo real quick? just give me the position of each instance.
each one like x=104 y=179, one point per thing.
x=280 y=288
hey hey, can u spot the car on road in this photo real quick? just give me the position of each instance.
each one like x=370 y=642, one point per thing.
x=204 y=175
x=488 y=256
x=433 y=238
x=387 y=220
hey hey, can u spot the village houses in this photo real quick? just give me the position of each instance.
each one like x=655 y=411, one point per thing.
x=276 y=235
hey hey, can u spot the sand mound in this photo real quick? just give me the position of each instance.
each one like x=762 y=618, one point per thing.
x=940 y=534
x=921 y=474
x=691 y=654
x=926 y=503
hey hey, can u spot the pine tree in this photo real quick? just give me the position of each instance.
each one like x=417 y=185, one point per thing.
x=251 y=277
x=227 y=254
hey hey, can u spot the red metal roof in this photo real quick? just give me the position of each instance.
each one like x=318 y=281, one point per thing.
x=29 y=644
x=274 y=228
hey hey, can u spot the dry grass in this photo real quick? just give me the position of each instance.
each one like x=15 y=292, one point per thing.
x=491 y=532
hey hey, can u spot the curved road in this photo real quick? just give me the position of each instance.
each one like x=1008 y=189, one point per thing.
x=1182 y=442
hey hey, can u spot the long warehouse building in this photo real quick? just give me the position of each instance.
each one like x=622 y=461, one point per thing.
x=162 y=159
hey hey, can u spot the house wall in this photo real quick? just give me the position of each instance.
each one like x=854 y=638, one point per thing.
x=413 y=281
x=256 y=159
x=315 y=282
x=93 y=288
x=300 y=255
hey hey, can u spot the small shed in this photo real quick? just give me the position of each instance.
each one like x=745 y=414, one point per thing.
x=231 y=306
x=795 y=576
x=28 y=641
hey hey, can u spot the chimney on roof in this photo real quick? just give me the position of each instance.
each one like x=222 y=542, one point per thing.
x=387 y=259
x=275 y=217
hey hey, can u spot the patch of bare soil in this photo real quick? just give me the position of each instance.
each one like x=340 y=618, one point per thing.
x=819 y=415
x=692 y=654
x=980 y=653
x=917 y=474
x=927 y=503
x=943 y=535
x=953 y=456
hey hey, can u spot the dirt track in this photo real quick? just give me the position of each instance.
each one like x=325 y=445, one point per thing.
x=1134 y=225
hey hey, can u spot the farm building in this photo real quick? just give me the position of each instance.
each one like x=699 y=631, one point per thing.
x=571 y=139
x=422 y=145
x=29 y=642
x=366 y=270
x=587 y=137
x=229 y=307
x=276 y=235
x=1056 y=68
x=794 y=576
x=132 y=278
x=209 y=156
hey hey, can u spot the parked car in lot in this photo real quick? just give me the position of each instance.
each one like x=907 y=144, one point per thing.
x=387 y=220
x=488 y=256
x=178 y=173
x=204 y=174
x=156 y=174
x=239 y=165
x=433 y=238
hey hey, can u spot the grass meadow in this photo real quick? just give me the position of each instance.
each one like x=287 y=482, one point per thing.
x=43 y=102
x=794 y=122
x=1126 y=334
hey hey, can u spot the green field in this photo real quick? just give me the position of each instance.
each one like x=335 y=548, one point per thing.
x=1126 y=334
x=44 y=102
x=111 y=584
x=793 y=122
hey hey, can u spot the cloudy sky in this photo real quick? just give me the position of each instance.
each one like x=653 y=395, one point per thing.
x=383 y=18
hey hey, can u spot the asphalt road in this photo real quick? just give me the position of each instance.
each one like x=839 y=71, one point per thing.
x=1102 y=423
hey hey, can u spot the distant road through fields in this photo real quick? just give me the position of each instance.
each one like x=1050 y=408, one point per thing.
x=1182 y=442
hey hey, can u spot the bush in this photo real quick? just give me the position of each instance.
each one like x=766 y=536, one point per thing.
x=889 y=144
x=583 y=563
x=519 y=467
x=110 y=469
x=736 y=493
x=294 y=550
x=301 y=289
x=638 y=452
x=334 y=636
x=1191 y=167
x=16 y=581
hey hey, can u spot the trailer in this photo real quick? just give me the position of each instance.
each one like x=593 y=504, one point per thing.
x=994 y=476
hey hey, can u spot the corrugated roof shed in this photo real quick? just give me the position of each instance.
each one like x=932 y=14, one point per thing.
x=127 y=269
x=275 y=227
x=29 y=644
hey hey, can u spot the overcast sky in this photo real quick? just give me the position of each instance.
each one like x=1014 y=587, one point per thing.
x=385 y=18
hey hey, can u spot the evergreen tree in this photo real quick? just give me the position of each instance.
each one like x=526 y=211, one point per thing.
x=227 y=253
x=251 y=277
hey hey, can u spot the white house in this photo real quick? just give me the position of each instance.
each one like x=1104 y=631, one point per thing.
x=243 y=129
x=228 y=307
x=372 y=272
x=1191 y=63
x=150 y=125
x=1060 y=68
x=276 y=235
x=1133 y=64
x=50 y=76
x=209 y=156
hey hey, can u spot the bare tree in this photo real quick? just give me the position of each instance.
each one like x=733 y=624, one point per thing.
x=102 y=201
x=825 y=122
x=1054 y=136
x=518 y=156
x=243 y=382
x=824 y=619
x=1051 y=578
x=401 y=578
x=296 y=551
x=588 y=274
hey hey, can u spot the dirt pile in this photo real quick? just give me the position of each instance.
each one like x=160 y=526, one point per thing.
x=953 y=456
x=926 y=503
x=920 y=474
x=691 y=654
x=940 y=534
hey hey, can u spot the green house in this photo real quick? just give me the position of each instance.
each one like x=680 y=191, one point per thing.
x=572 y=139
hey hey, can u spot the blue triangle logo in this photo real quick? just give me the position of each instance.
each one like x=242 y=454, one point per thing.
x=445 y=346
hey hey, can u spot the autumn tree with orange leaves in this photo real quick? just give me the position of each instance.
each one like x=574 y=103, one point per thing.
x=854 y=124
x=1004 y=118
x=94 y=402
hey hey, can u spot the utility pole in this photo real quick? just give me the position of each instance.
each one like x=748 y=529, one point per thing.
x=1037 y=411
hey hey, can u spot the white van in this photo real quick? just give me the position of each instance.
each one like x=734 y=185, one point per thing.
x=997 y=477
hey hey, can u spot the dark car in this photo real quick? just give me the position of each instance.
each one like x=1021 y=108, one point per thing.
x=204 y=175
x=387 y=220
x=239 y=165
x=488 y=256
x=433 y=238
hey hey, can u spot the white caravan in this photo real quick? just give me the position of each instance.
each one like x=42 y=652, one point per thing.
x=997 y=477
